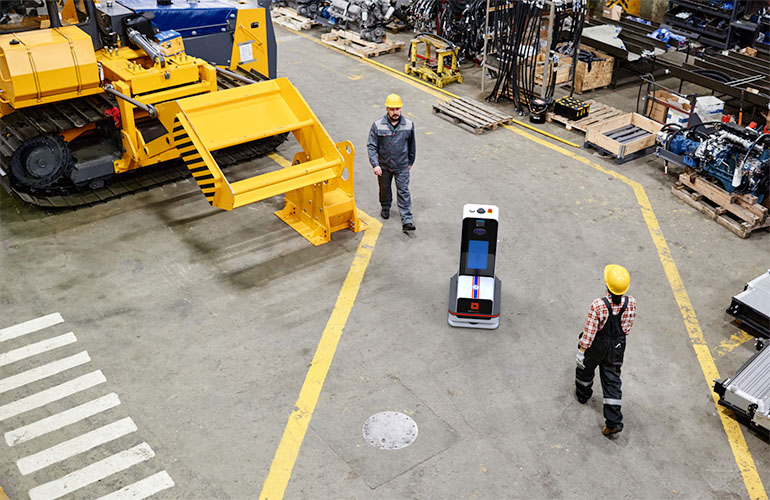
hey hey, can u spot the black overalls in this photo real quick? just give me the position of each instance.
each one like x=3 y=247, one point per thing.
x=606 y=352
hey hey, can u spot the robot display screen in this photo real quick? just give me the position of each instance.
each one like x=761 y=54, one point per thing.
x=477 y=254
x=477 y=251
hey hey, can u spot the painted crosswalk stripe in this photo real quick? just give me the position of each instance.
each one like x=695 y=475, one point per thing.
x=44 y=371
x=30 y=326
x=6 y=358
x=42 y=398
x=92 y=473
x=142 y=489
x=75 y=446
x=60 y=420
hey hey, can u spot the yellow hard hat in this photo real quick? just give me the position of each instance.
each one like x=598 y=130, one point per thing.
x=617 y=279
x=393 y=101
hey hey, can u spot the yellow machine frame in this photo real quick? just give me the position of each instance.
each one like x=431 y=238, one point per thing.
x=433 y=70
x=181 y=93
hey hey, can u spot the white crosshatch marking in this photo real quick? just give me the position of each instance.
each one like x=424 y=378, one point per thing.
x=72 y=449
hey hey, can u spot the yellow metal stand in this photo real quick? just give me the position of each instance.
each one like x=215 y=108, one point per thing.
x=436 y=71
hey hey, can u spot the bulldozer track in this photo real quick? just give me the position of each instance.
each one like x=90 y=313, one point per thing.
x=51 y=118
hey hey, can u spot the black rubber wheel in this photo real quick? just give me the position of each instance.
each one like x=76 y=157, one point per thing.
x=40 y=162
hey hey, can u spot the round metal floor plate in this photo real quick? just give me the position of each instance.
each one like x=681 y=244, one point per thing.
x=390 y=430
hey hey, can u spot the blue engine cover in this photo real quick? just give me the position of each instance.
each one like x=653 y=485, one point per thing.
x=204 y=17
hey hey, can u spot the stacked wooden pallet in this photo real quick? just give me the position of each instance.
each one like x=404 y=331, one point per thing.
x=288 y=18
x=471 y=114
x=351 y=42
x=740 y=213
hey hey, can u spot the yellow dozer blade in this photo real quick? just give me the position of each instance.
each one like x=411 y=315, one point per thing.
x=319 y=183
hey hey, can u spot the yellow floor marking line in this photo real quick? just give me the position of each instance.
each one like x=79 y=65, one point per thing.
x=288 y=449
x=280 y=160
x=735 y=340
x=735 y=436
x=740 y=449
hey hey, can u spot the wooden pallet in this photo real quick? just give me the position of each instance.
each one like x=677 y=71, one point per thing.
x=351 y=42
x=397 y=26
x=288 y=18
x=740 y=213
x=597 y=113
x=471 y=114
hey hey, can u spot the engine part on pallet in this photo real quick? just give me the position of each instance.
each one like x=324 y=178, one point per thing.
x=443 y=69
x=737 y=157
x=748 y=391
x=752 y=305
x=571 y=108
x=308 y=8
x=370 y=16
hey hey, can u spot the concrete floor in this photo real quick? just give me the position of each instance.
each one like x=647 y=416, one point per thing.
x=204 y=322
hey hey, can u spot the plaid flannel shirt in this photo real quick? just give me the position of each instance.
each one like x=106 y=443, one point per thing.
x=598 y=314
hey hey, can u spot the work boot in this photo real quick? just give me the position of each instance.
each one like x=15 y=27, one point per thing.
x=608 y=431
x=385 y=214
x=408 y=227
x=580 y=400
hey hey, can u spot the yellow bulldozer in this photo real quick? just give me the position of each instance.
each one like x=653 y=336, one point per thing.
x=96 y=101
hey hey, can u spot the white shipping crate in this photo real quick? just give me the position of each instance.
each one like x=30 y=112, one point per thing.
x=709 y=108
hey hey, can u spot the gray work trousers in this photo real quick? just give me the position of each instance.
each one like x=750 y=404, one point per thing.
x=404 y=199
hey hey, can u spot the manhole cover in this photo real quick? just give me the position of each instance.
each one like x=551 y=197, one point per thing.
x=390 y=430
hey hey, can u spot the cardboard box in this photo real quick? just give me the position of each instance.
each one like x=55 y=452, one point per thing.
x=613 y=12
x=599 y=76
x=674 y=116
x=663 y=103
x=748 y=51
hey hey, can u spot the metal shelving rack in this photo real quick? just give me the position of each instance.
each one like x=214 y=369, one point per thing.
x=486 y=65
x=710 y=33
x=485 y=60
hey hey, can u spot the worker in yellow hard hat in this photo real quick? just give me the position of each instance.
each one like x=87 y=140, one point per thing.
x=392 y=150
x=603 y=343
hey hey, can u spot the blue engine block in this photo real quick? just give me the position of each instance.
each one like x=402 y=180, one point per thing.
x=719 y=162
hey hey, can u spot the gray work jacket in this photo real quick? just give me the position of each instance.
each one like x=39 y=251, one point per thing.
x=389 y=147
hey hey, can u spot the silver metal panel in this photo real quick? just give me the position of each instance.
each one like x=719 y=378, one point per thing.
x=757 y=294
x=751 y=386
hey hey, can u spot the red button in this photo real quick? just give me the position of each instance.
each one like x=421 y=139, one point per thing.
x=474 y=306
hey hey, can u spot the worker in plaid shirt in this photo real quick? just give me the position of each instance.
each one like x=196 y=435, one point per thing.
x=603 y=343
